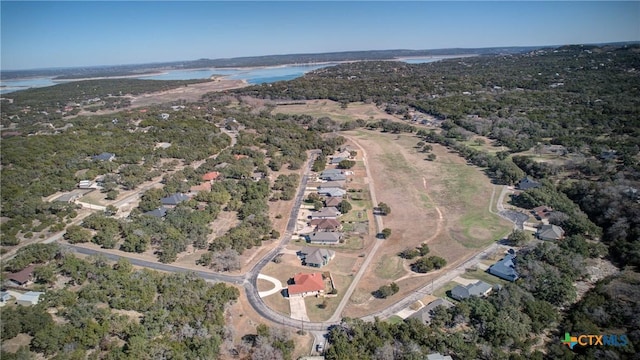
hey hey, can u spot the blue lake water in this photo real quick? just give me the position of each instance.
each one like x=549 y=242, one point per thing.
x=251 y=75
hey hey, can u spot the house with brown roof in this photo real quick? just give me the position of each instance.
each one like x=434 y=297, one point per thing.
x=306 y=284
x=211 y=176
x=22 y=277
x=541 y=212
x=326 y=224
x=332 y=201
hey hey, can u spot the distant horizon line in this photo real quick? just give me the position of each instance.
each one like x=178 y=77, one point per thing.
x=169 y=62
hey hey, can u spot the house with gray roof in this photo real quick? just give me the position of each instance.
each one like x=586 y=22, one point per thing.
x=325 y=213
x=159 y=212
x=425 y=314
x=505 y=268
x=316 y=257
x=438 y=356
x=331 y=172
x=327 y=238
x=334 y=177
x=105 y=156
x=4 y=297
x=528 y=183
x=332 y=192
x=479 y=289
x=550 y=232
x=29 y=298
x=336 y=160
x=174 y=199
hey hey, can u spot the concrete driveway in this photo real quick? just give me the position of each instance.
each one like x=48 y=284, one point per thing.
x=298 y=308
x=277 y=285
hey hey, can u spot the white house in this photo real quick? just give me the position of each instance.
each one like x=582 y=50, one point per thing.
x=29 y=298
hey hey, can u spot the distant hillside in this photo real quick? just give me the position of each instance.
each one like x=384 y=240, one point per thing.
x=269 y=60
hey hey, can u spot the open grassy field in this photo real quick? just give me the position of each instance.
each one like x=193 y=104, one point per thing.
x=389 y=266
x=332 y=109
x=444 y=203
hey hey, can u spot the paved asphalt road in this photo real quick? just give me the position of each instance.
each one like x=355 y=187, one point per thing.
x=249 y=280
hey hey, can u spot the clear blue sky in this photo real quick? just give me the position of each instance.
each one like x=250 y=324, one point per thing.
x=61 y=34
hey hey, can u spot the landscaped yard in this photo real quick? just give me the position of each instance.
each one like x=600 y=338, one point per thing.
x=315 y=312
x=484 y=276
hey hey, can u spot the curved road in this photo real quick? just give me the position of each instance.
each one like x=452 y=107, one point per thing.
x=249 y=280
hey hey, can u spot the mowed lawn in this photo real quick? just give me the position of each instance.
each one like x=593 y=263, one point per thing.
x=462 y=192
x=469 y=189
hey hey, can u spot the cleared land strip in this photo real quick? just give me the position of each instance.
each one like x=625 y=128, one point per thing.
x=379 y=226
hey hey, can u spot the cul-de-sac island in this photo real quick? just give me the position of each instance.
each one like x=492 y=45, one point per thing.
x=471 y=207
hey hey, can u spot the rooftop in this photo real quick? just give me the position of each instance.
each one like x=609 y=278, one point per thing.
x=306 y=283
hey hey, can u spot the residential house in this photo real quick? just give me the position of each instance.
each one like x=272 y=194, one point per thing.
x=528 y=183
x=331 y=172
x=333 y=201
x=316 y=257
x=479 y=288
x=334 y=177
x=325 y=213
x=347 y=148
x=438 y=356
x=332 y=192
x=22 y=277
x=29 y=298
x=326 y=224
x=222 y=165
x=306 y=284
x=541 y=212
x=159 y=212
x=105 y=156
x=424 y=314
x=555 y=149
x=332 y=184
x=336 y=160
x=609 y=155
x=550 y=232
x=325 y=238
x=211 y=176
x=174 y=199
x=85 y=184
x=344 y=155
x=257 y=176
x=505 y=268
x=4 y=297
x=68 y=197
